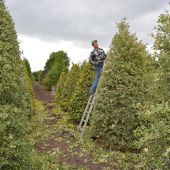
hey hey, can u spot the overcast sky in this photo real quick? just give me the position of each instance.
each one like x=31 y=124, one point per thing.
x=45 y=26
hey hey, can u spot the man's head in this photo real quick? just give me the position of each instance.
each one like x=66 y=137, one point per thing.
x=95 y=44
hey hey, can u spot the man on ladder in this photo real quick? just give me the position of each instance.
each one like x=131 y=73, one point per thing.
x=97 y=58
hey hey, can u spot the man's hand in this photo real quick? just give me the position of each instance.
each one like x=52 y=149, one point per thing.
x=98 y=62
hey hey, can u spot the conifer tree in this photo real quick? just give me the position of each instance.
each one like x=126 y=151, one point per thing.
x=154 y=131
x=70 y=86
x=29 y=77
x=16 y=103
x=81 y=95
x=60 y=85
x=162 y=47
x=121 y=89
x=12 y=74
x=153 y=136
x=28 y=68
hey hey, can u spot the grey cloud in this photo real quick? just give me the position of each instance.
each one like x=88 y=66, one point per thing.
x=82 y=20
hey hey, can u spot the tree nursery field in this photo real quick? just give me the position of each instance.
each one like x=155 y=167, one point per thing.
x=129 y=128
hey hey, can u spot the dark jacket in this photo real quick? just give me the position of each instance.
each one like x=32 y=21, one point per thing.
x=97 y=56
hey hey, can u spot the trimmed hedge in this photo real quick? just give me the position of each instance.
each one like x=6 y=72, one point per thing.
x=153 y=135
x=122 y=87
x=29 y=78
x=162 y=47
x=69 y=86
x=28 y=68
x=81 y=95
x=16 y=104
x=14 y=84
x=60 y=85
x=16 y=151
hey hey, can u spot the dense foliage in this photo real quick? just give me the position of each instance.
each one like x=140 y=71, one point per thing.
x=81 y=95
x=57 y=63
x=28 y=68
x=162 y=47
x=122 y=87
x=132 y=106
x=37 y=75
x=60 y=85
x=153 y=135
x=16 y=104
x=154 y=131
x=54 y=57
x=70 y=86
x=13 y=79
x=29 y=77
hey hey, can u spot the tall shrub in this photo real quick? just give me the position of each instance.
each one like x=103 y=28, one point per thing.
x=60 y=85
x=29 y=77
x=16 y=103
x=154 y=133
x=81 y=95
x=162 y=47
x=28 y=68
x=57 y=63
x=70 y=86
x=121 y=89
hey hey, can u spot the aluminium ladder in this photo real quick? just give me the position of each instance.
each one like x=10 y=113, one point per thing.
x=86 y=115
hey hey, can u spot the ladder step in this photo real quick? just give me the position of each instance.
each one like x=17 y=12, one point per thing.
x=85 y=121
x=91 y=104
x=89 y=111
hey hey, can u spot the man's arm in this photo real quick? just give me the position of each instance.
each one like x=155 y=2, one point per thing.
x=91 y=58
x=104 y=54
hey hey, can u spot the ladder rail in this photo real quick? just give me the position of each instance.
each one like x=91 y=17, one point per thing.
x=86 y=115
x=86 y=121
x=85 y=111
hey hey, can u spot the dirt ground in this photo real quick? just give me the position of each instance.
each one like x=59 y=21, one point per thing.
x=42 y=94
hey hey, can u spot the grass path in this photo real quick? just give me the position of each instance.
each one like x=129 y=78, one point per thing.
x=56 y=137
